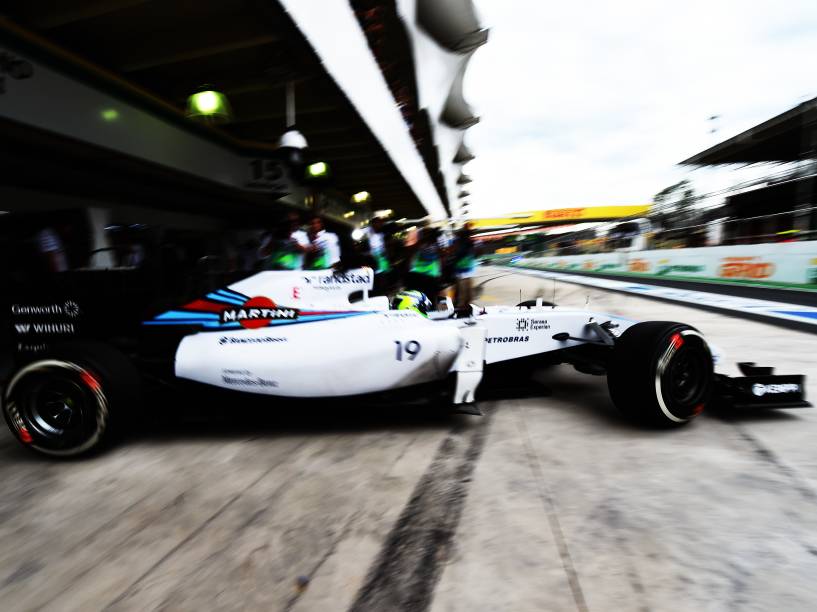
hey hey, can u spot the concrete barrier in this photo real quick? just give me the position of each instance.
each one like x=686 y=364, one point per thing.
x=788 y=264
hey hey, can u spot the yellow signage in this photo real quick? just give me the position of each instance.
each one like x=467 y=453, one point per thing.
x=558 y=215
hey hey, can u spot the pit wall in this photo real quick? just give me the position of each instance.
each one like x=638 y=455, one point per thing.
x=791 y=264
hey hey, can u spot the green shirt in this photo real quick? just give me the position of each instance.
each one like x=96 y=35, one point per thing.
x=427 y=262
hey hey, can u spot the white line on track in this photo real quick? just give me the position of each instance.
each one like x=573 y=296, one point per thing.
x=775 y=310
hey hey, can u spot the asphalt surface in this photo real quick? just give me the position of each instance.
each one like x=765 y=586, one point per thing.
x=548 y=502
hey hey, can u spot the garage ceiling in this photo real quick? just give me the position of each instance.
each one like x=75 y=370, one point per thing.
x=249 y=49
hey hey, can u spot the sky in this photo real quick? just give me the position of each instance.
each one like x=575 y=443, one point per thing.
x=595 y=102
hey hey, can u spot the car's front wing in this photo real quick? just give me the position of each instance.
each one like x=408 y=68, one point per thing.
x=760 y=388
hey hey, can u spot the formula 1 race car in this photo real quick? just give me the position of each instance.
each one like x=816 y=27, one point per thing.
x=320 y=335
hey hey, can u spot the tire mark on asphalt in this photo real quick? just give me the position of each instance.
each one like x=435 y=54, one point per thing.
x=768 y=456
x=198 y=530
x=344 y=532
x=410 y=563
x=485 y=282
x=550 y=511
x=479 y=288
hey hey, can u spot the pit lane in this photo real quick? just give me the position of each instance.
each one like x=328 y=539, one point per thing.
x=550 y=501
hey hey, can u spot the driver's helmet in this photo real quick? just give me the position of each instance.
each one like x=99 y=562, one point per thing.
x=412 y=300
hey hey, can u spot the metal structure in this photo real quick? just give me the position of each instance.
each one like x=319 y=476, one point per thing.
x=94 y=97
x=783 y=202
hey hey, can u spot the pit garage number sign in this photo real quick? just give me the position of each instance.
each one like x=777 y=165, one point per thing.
x=14 y=68
x=269 y=175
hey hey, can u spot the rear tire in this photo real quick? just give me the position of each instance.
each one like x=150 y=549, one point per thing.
x=661 y=373
x=73 y=401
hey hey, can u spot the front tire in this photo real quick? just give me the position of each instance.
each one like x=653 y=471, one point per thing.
x=62 y=405
x=661 y=373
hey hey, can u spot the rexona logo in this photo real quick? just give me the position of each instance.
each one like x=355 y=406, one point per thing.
x=760 y=389
x=258 y=312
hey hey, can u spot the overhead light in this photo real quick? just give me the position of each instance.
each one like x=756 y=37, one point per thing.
x=291 y=146
x=209 y=105
x=357 y=234
x=361 y=197
x=402 y=220
x=206 y=102
x=317 y=170
x=349 y=214
x=292 y=139
x=388 y=212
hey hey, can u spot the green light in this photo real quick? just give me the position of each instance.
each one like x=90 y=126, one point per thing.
x=317 y=170
x=361 y=197
x=206 y=102
x=110 y=114
x=209 y=104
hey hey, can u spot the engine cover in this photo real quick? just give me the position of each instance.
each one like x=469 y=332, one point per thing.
x=372 y=352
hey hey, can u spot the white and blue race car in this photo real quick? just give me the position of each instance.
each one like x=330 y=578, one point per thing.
x=321 y=335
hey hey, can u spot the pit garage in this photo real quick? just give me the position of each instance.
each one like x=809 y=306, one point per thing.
x=106 y=146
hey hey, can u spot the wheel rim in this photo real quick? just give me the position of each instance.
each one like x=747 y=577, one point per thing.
x=56 y=407
x=684 y=376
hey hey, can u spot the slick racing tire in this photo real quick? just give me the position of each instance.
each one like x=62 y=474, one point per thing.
x=661 y=373
x=72 y=401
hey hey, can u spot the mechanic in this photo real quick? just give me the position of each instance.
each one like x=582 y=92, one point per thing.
x=465 y=265
x=377 y=251
x=285 y=248
x=282 y=251
x=325 y=247
x=425 y=271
